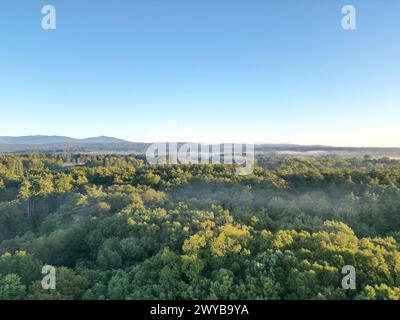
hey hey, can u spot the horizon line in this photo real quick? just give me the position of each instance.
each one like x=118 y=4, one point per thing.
x=197 y=142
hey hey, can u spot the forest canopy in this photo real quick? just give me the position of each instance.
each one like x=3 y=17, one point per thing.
x=116 y=227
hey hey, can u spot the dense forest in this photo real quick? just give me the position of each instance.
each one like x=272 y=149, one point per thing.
x=117 y=228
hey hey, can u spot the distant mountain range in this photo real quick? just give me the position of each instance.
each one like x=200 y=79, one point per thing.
x=40 y=139
x=58 y=144
x=104 y=144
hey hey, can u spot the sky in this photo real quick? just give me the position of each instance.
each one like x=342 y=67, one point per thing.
x=203 y=71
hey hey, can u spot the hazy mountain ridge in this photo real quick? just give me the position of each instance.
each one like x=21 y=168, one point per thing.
x=105 y=144
x=42 y=139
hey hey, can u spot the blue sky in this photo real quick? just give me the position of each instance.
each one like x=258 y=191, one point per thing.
x=203 y=70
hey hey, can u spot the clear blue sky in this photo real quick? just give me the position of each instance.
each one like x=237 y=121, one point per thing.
x=208 y=70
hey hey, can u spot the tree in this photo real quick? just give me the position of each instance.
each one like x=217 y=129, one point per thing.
x=11 y=287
